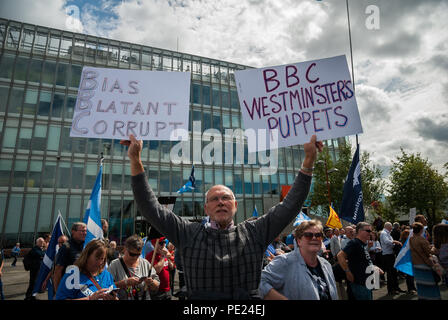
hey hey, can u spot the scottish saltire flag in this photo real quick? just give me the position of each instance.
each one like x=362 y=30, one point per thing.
x=47 y=263
x=403 y=262
x=352 y=202
x=190 y=185
x=270 y=249
x=300 y=218
x=92 y=217
x=255 y=213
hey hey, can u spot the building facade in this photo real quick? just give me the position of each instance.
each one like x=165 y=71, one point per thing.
x=44 y=171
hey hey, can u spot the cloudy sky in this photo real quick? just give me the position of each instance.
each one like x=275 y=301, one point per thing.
x=400 y=50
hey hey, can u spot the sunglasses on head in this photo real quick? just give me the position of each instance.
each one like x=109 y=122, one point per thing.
x=310 y=235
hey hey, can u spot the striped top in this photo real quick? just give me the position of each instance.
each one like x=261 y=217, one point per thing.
x=222 y=264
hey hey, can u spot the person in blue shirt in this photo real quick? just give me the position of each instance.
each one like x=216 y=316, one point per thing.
x=87 y=279
x=15 y=252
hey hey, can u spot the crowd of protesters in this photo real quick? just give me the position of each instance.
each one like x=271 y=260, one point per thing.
x=249 y=260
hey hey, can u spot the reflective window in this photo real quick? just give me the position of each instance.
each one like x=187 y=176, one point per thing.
x=91 y=173
x=39 y=137
x=53 y=138
x=40 y=42
x=234 y=103
x=66 y=46
x=5 y=171
x=113 y=55
x=117 y=170
x=9 y=137
x=34 y=174
x=77 y=171
x=35 y=70
x=53 y=46
x=215 y=96
x=60 y=205
x=127 y=228
x=13 y=36
x=19 y=173
x=153 y=178
x=225 y=97
x=238 y=181
x=217 y=121
x=44 y=103
x=63 y=175
x=44 y=220
x=228 y=178
x=196 y=96
x=274 y=184
x=21 y=69
x=13 y=215
x=164 y=179
x=207 y=121
x=70 y=107
x=206 y=95
x=219 y=177
x=75 y=212
x=6 y=66
x=49 y=175
x=29 y=104
x=247 y=182
x=49 y=72
x=3 y=98
x=257 y=185
x=154 y=150
x=93 y=146
x=208 y=179
x=27 y=40
x=24 y=141
x=29 y=213
x=75 y=76
x=176 y=179
x=62 y=74
x=58 y=105
x=165 y=147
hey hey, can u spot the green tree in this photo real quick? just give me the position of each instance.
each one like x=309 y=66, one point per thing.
x=373 y=185
x=415 y=184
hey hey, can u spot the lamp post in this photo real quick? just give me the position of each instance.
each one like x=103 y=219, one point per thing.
x=326 y=177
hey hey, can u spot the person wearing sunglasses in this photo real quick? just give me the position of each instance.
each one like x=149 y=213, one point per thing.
x=301 y=274
x=133 y=274
x=354 y=259
x=221 y=260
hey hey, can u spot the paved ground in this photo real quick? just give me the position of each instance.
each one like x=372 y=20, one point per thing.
x=15 y=283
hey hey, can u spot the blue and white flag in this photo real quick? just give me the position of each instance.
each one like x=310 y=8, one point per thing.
x=190 y=185
x=403 y=262
x=270 y=249
x=47 y=263
x=301 y=217
x=255 y=213
x=352 y=208
x=92 y=217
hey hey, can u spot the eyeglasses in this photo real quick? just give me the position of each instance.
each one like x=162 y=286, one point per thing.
x=224 y=198
x=134 y=254
x=367 y=230
x=309 y=235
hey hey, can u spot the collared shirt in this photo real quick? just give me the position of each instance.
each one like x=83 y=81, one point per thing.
x=215 y=226
x=387 y=242
x=290 y=276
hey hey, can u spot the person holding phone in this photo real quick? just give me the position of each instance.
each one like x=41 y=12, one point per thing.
x=89 y=280
x=133 y=275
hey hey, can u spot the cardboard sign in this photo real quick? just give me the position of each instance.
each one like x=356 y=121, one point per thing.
x=114 y=103
x=289 y=103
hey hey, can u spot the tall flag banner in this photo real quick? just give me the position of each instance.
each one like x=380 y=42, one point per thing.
x=92 y=217
x=301 y=217
x=352 y=201
x=403 y=262
x=190 y=185
x=333 y=220
x=47 y=263
x=255 y=213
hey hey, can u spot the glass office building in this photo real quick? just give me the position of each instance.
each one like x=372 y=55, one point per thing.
x=44 y=171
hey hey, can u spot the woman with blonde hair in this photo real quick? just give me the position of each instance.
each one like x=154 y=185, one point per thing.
x=87 y=279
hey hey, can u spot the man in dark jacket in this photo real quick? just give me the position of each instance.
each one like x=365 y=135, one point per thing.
x=221 y=260
x=36 y=256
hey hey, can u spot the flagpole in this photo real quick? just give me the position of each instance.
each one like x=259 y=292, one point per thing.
x=351 y=52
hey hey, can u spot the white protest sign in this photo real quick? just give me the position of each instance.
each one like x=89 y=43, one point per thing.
x=295 y=101
x=114 y=103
